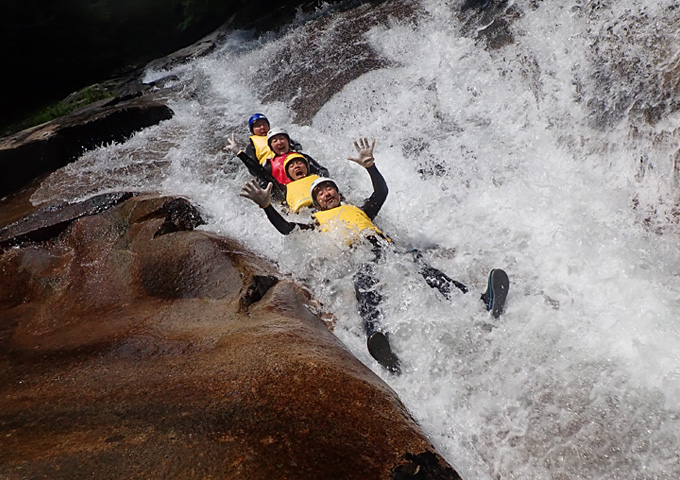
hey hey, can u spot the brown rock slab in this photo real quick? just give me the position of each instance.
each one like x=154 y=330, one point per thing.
x=50 y=221
x=127 y=354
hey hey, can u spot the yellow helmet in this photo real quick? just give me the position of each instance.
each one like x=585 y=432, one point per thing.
x=290 y=158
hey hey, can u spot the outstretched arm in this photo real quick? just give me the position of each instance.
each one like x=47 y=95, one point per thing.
x=250 y=151
x=264 y=177
x=262 y=197
x=374 y=203
x=248 y=158
x=372 y=206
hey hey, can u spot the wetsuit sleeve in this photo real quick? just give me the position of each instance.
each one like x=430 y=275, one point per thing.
x=250 y=151
x=315 y=167
x=267 y=167
x=263 y=176
x=252 y=165
x=295 y=145
x=281 y=224
x=374 y=203
x=267 y=173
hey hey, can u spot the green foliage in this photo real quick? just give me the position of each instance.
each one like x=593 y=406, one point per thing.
x=63 y=45
x=58 y=109
x=66 y=44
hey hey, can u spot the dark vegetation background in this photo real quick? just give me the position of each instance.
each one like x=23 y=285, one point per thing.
x=50 y=48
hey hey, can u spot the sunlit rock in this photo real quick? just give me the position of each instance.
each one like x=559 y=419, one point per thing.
x=49 y=222
x=125 y=353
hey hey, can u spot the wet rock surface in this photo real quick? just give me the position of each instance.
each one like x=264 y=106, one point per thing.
x=126 y=354
x=489 y=22
x=44 y=148
x=326 y=52
x=48 y=222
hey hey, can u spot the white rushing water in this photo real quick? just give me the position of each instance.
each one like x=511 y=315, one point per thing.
x=546 y=169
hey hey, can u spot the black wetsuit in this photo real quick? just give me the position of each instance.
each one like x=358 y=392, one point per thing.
x=365 y=281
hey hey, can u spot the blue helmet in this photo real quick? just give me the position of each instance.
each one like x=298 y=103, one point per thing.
x=253 y=118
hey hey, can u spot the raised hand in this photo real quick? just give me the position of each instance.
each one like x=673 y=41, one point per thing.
x=365 y=150
x=258 y=195
x=232 y=147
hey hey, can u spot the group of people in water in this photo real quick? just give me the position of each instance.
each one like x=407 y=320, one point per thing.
x=286 y=175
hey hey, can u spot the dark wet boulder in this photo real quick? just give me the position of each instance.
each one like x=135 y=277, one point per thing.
x=44 y=148
x=479 y=5
x=326 y=52
x=489 y=22
x=127 y=354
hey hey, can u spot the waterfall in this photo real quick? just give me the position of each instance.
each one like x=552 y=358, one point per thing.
x=536 y=136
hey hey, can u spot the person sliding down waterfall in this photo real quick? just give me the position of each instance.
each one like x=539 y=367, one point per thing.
x=271 y=152
x=296 y=193
x=297 y=169
x=258 y=150
x=280 y=143
x=358 y=222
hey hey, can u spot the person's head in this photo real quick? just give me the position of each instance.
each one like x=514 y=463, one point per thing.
x=296 y=166
x=278 y=140
x=258 y=124
x=325 y=194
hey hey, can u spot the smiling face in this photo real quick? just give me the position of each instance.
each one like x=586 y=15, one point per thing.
x=260 y=127
x=279 y=144
x=327 y=196
x=297 y=169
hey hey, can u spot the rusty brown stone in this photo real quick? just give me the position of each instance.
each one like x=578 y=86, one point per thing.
x=129 y=355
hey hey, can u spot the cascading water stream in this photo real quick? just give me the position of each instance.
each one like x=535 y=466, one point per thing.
x=552 y=156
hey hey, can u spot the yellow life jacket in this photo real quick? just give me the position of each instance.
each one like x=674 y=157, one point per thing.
x=262 y=150
x=297 y=193
x=349 y=216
